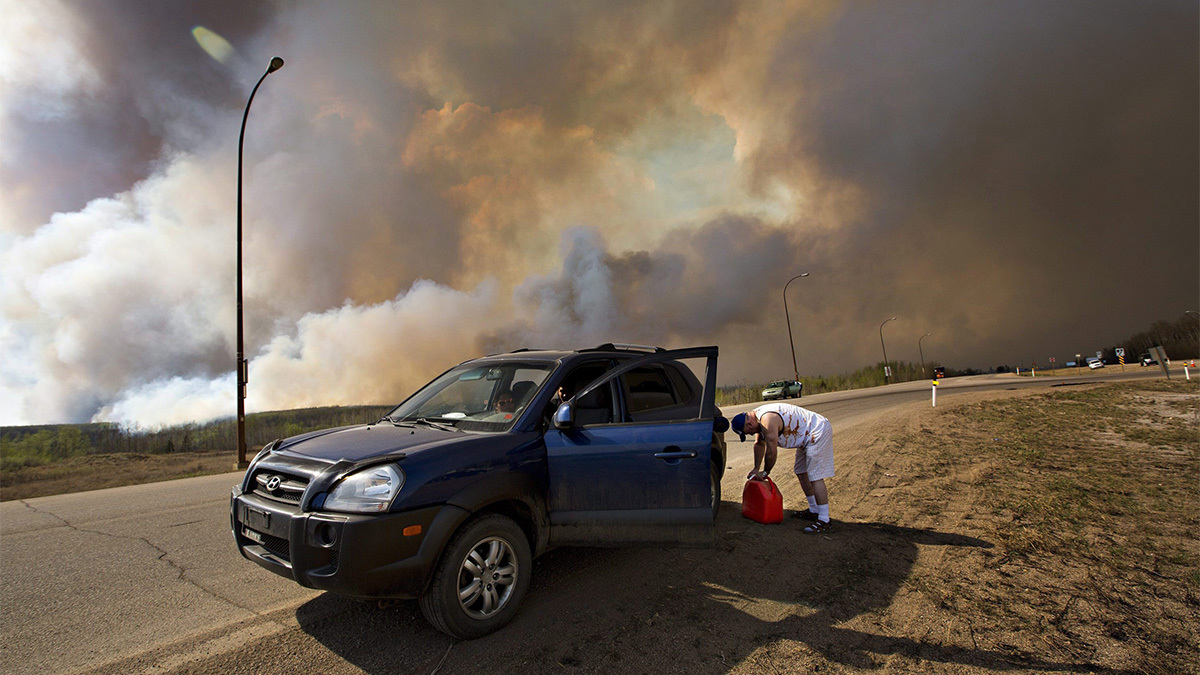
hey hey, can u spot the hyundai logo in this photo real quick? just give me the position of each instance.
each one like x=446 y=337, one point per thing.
x=273 y=483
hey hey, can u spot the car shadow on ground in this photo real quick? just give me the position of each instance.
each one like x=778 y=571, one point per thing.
x=687 y=610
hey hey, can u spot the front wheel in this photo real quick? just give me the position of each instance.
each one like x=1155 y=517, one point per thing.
x=481 y=579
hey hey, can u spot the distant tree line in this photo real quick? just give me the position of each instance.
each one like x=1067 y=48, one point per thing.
x=1180 y=339
x=34 y=445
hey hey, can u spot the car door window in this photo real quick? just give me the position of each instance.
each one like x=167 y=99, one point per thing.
x=648 y=389
x=661 y=393
x=594 y=407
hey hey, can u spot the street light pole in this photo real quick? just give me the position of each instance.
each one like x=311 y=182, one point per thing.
x=922 y=353
x=242 y=463
x=886 y=377
x=792 y=344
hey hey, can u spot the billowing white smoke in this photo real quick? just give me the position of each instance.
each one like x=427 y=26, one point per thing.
x=373 y=354
x=129 y=291
x=429 y=182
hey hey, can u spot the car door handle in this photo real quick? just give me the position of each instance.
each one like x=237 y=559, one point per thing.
x=675 y=454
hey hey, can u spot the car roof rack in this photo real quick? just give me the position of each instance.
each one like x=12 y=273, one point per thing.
x=624 y=347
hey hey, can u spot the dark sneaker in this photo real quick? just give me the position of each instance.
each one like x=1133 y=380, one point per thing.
x=805 y=515
x=818 y=527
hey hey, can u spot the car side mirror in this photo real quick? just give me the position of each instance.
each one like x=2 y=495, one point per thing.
x=564 y=417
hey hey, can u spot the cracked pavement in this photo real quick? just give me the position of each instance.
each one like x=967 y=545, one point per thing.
x=92 y=578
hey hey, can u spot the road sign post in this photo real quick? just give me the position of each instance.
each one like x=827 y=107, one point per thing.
x=1121 y=357
x=1158 y=354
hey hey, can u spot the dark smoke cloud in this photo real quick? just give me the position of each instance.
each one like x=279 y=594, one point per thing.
x=427 y=182
x=1034 y=162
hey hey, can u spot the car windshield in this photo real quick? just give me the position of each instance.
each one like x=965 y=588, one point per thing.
x=476 y=397
x=777 y=384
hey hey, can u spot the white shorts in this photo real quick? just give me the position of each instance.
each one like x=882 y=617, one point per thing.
x=816 y=460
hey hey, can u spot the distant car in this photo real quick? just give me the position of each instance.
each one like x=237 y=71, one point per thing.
x=782 y=389
x=1147 y=360
x=1094 y=363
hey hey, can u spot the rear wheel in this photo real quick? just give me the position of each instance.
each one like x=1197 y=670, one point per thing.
x=481 y=579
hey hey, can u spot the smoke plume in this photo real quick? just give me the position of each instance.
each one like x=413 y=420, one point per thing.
x=429 y=182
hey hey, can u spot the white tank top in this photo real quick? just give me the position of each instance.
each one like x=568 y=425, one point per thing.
x=801 y=427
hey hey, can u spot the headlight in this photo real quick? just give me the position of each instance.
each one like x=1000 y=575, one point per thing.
x=367 y=491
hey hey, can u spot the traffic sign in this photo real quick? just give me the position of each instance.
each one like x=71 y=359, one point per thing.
x=1120 y=351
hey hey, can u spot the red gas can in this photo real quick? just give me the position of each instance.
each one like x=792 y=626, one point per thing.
x=762 y=501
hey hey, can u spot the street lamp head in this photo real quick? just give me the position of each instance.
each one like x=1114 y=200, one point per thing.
x=804 y=274
x=276 y=64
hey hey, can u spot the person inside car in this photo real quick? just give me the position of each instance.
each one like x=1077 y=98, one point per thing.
x=505 y=402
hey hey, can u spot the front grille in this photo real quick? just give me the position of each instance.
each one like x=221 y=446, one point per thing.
x=280 y=487
x=278 y=547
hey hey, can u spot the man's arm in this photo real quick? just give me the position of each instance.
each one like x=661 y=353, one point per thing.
x=770 y=440
x=759 y=450
x=766 y=447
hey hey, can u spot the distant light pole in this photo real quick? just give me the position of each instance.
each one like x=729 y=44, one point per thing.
x=922 y=353
x=242 y=463
x=796 y=371
x=887 y=378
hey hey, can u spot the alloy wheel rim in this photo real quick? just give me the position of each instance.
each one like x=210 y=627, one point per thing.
x=487 y=578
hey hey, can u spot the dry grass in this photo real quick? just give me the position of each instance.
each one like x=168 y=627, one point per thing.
x=1090 y=495
x=93 y=472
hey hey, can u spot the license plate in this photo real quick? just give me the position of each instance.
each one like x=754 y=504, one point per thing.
x=259 y=520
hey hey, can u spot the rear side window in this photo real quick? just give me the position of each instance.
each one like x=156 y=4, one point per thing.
x=649 y=389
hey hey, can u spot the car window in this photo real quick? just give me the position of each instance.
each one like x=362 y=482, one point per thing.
x=595 y=408
x=683 y=388
x=477 y=397
x=648 y=389
x=666 y=392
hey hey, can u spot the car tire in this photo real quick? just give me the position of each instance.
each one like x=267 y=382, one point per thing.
x=481 y=579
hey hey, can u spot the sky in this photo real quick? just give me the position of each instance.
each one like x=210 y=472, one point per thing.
x=428 y=182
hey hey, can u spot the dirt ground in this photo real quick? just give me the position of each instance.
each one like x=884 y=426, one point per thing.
x=1011 y=532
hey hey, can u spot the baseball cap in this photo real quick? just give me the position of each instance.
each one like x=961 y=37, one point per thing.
x=739 y=421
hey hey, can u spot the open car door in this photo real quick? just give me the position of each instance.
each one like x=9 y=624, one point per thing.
x=621 y=482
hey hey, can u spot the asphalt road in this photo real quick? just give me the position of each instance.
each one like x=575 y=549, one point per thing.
x=146 y=578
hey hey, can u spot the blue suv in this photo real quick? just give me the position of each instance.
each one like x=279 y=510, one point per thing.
x=449 y=497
